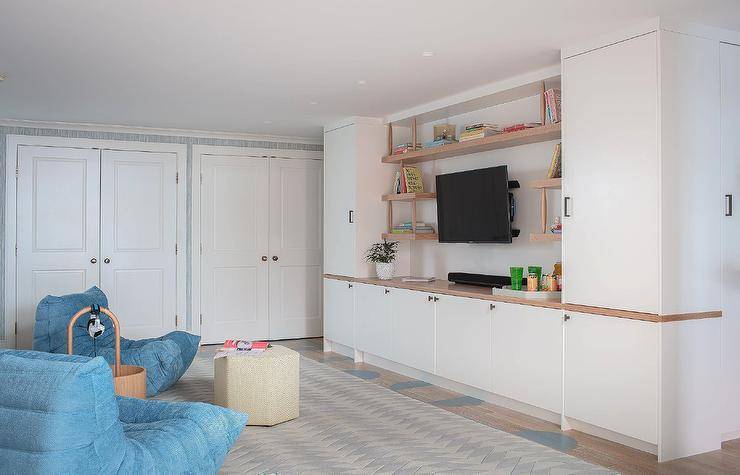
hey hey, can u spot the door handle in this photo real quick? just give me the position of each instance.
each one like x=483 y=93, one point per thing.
x=264 y=258
x=351 y=216
x=436 y=299
x=728 y=205
x=566 y=211
x=387 y=291
x=429 y=298
x=349 y=286
x=94 y=260
x=106 y=260
x=566 y=318
x=275 y=258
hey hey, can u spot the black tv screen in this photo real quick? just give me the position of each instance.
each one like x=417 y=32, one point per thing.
x=473 y=206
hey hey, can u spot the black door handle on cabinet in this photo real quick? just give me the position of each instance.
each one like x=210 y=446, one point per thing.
x=429 y=298
x=351 y=216
x=349 y=286
x=436 y=299
x=387 y=291
x=566 y=211
x=566 y=318
x=728 y=205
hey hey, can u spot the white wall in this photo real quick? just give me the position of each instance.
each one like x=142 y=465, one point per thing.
x=526 y=163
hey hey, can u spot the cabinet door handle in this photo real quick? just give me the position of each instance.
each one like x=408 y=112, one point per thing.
x=387 y=291
x=429 y=298
x=492 y=306
x=264 y=258
x=275 y=258
x=94 y=260
x=566 y=318
x=436 y=299
x=728 y=205
x=349 y=286
x=566 y=211
x=351 y=216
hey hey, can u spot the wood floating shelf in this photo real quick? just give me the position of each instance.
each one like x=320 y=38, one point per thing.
x=547 y=183
x=511 y=139
x=410 y=196
x=410 y=236
x=545 y=237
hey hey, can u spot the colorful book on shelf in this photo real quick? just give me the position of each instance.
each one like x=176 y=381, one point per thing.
x=412 y=180
x=555 y=170
x=552 y=105
x=521 y=126
x=438 y=143
x=482 y=125
x=474 y=134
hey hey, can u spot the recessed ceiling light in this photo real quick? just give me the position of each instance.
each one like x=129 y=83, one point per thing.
x=427 y=54
x=313 y=103
x=361 y=82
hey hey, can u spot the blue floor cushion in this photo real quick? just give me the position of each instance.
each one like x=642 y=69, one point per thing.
x=58 y=414
x=165 y=358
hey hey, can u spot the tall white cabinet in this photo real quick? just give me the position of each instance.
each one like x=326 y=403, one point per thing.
x=730 y=86
x=641 y=174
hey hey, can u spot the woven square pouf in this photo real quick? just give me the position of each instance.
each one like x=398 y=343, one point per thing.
x=263 y=386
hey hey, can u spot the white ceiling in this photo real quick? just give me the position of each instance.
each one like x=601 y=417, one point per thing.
x=285 y=67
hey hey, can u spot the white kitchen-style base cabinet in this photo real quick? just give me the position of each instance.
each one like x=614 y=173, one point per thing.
x=611 y=374
x=339 y=312
x=373 y=319
x=413 y=329
x=464 y=340
x=527 y=354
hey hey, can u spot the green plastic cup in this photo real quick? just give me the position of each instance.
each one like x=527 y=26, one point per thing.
x=537 y=270
x=516 y=277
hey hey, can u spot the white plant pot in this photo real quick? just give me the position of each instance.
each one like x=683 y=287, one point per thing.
x=384 y=270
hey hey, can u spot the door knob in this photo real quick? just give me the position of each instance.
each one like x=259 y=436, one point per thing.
x=94 y=260
x=275 y=258
x=264 y=258
x=106 y=260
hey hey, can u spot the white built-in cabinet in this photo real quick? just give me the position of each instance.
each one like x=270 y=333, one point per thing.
x=730 y=76
x=464 y=340
x=412 y=319
x=374 y=321
x=641 y=174
x=354 y=179
x=527 y=348
x=611 y=374
x=339 y=312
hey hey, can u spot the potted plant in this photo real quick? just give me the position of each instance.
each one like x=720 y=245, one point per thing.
x=383 y=254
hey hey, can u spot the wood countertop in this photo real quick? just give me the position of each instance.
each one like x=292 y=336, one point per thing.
x=444 y=287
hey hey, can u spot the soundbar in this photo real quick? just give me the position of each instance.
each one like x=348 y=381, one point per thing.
x=482 y=280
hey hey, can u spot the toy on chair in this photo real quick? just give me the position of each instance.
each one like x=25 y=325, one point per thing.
x=128 y=380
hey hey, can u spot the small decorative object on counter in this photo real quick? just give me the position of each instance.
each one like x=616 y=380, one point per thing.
x=517 y=274
x=557 y=226
x=444 y=132
x=537 y=271
x=383 y=254
x=532 y=282
x=545 y=283
x=553 y=285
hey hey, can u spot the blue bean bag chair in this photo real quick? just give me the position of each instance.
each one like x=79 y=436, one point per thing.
x=58 y=414
x=165 y=358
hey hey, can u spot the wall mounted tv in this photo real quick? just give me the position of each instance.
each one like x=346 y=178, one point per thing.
x=475 y=206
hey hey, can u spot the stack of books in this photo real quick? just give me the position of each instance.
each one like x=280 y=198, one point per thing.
x=408 y=180
x=405 y=147
x=478 y=131
x=405 y=228
x=552 y=105
x=520 y=126
x=438 y=143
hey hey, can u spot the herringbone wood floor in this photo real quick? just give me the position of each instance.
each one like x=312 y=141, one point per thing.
x=589 y=448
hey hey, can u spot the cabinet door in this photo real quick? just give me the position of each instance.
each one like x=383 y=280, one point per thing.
x=730 y=58
x=528 y=354
x=339 y=303
x=463 y=340
x=611 y=374
x=413 y=329
x=339 y=200
x=373 y=311
x=611 y=176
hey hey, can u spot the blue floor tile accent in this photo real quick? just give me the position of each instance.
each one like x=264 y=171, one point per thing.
x=414 y=383
x=554 y=440
x=458 y=402
x=361 y=373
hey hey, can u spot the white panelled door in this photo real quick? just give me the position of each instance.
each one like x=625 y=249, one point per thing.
x=234 y=230
x=295 y=248
x=58 y=212
x=138 y=264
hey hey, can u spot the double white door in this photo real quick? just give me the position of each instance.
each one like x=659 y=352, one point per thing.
x=98 y=217
x=260 y=248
